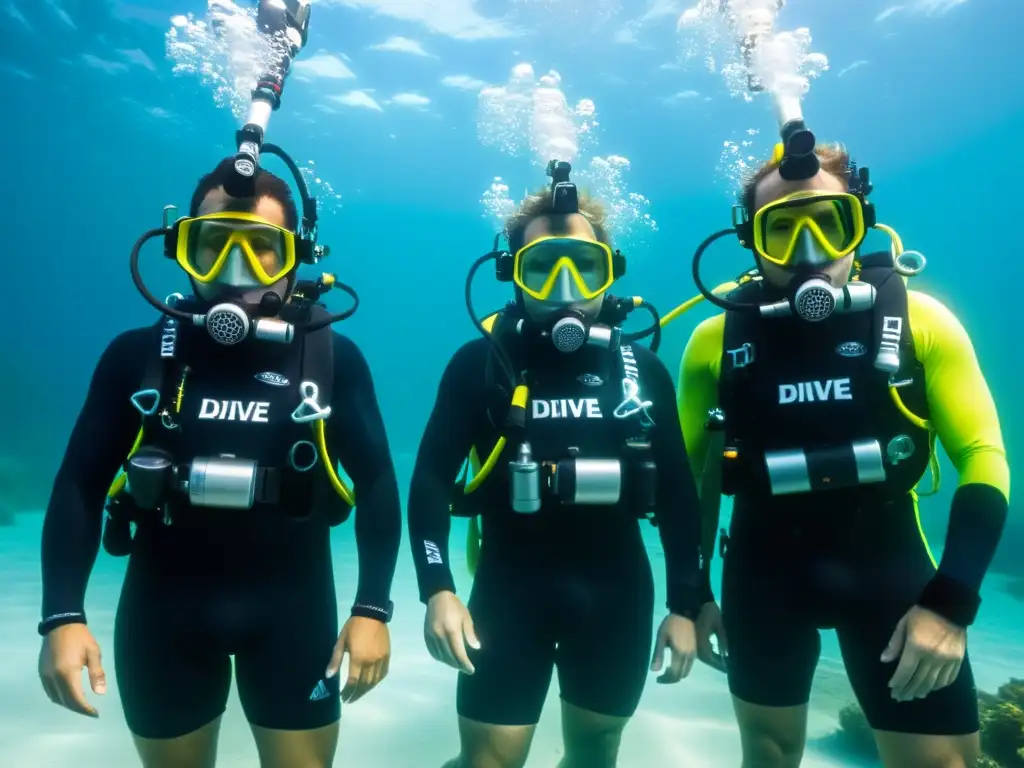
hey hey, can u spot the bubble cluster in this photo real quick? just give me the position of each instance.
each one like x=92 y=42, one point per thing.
x=498 y=204
x=531 y=116
x=228 y=54
x=627 y=211
x=718 y=35
x=737 y=161
x=328 y=200
x=225 y=51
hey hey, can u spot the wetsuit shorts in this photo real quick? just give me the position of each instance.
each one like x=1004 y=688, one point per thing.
x=793 y=568
x=186 y=610
x=588 y=617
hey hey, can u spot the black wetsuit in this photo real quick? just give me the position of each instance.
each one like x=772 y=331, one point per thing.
x=257 y=584
x=849 y=554
x=571 y=586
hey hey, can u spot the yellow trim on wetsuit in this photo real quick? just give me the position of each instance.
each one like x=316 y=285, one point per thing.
x=963 y=414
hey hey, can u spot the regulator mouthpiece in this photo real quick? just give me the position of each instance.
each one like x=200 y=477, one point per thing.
x=815 y=300
x=568 y=334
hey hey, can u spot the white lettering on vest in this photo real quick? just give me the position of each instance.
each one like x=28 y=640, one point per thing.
x=892 y=332
x=234 y=410
x=169 y=338
x=584 y=408
x=815 y=391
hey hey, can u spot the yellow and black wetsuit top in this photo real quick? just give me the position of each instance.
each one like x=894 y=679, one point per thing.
x=961 y=413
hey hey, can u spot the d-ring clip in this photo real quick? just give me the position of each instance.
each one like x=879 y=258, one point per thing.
x=309 y=409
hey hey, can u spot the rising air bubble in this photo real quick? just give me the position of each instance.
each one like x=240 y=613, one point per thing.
x=228 y=54
x=531 y=116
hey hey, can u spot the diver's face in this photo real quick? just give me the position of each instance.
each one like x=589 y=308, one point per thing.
x=771 y=188
x=560 y=225
x=267 y=208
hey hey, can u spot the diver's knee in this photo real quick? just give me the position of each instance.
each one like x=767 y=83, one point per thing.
x=492 y=746
x=591 y=740
x=772 y=737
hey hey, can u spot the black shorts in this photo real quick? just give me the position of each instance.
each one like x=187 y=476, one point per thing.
x=792 y=570
x=179 y=621
x=592 y=621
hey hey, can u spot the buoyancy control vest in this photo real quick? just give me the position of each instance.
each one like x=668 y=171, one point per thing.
x=807 y=411
x=579 y=438
x=244 y=437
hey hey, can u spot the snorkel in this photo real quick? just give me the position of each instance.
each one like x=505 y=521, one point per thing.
x=568 y=329
x=231 y=321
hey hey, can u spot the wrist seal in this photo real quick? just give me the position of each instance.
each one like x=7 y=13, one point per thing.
x=59 y=620
x=367 y=611
x=951 y=600
x=682 y=601
x=705 y=594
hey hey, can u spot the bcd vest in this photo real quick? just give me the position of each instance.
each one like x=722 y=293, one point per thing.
x=588 y=437
x=230 y=430
x=806 y=410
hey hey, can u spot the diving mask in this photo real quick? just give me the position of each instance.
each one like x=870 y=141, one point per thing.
x=563 y=270
x=233 y=249
x=808 y=229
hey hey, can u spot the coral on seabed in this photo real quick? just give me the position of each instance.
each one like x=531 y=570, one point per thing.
x=1002 y=728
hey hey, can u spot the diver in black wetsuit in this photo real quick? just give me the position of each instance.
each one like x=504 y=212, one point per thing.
x=590 y=444
x=232 y=491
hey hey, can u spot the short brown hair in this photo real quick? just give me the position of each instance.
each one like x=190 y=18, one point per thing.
x=540 y=204
x=834 y=159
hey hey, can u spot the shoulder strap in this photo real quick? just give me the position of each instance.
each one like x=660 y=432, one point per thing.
x=318 y=357
x=891 y=313
x=156 y=389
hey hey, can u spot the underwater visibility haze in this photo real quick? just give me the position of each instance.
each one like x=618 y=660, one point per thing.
x=419 y=127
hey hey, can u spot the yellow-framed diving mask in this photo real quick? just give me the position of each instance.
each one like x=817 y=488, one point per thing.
x=234 y=248
x=563 y=269
x=809 y=228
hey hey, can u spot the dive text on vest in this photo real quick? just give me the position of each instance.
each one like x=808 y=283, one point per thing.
x=583 y=408
x=234 y=410
x=815 y=391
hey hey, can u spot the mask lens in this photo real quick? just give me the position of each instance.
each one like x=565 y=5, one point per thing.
x=543 y=264
x=834 y=222
x=211 y=245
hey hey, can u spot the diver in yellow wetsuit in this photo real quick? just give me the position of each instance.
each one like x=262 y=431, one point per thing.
x=815 y=400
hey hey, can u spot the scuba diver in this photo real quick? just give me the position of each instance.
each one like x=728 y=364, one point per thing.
x=816 y=400
x=228 y=492
x=582 y=441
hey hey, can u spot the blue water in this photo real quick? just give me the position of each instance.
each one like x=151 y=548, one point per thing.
x=100 y=135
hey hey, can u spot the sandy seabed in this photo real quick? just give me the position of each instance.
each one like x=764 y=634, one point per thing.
x=409 y=721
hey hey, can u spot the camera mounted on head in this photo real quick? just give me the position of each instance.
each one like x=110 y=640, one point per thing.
x=565 y=198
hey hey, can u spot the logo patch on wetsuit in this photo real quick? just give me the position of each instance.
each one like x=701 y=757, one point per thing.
x=582 y=408
x=433 y=552
x=234 y=410
x=850 y=349
x=590 y=380
x=271 y=378
x=815 y=391
x=320 y=692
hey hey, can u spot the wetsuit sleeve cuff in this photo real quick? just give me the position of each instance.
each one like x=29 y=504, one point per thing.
x=950 y=599
x=442 y=583
x=683 y=601
x=50 y=623
x=704 y=592
x=371 y=611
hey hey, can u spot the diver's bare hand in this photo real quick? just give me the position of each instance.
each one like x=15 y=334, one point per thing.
x=677 y=636
x=447 y=629
x=710 y=624
x=66 y=650
x=367 y=643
